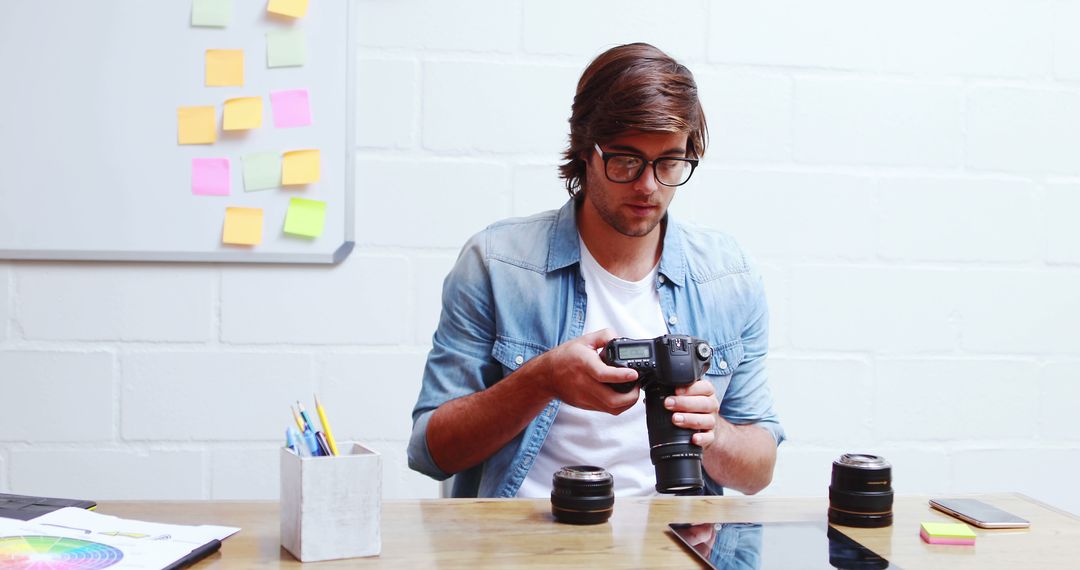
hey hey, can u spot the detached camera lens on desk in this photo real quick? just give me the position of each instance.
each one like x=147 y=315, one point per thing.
x=861 y=492
x=582 y=494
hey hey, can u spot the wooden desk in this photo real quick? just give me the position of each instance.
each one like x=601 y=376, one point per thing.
x=505 y=533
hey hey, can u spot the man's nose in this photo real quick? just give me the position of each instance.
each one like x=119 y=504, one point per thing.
x=646 y=183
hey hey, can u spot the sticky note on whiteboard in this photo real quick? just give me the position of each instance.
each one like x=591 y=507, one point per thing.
x=242 y=113
x=224 y=67
x=290 y=8
x=292 y=108
x=196 y=125
x=286 y=48
x=214 y=13
x=305 y=217
x=262 y=171
x=300 y=167
x=243 y=226
x=210 y=176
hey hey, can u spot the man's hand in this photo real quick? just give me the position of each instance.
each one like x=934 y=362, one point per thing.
x=578 y=376
x=696 y=407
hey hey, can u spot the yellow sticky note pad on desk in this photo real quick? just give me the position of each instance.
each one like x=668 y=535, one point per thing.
x=290 y=8
x=305 y=217
x=243 y=226
x=300 y=167
x=224 y=67
x=196 y=125
x=243 y=113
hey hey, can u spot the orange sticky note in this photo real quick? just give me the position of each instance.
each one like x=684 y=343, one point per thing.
x=243 y=226
x=300 y=167
x=290 y=8
x=196 y=125
x=243 y=113
x=224 y=67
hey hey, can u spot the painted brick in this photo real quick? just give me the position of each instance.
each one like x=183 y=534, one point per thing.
x=1066 y=42
x=949 y=399
x=1000 y=38
x=1059 y=219
x=67 y=396
x=778 y=214
x=246 y=474
x=1023 y=130
x=749 y=115
x=363 y=300
x=801 y=471
x=1059 y=393
x=776 y=294
x=450 y=199
x=398 y=481
x=473 y=25
x=428 y=276
x=6 y=301
x=494 y=107
x=371 y=396
x=211 y=396
x=958 y=220
x=889 y=310
x=919 y=468
x=386 y=103
x=1044 y=474
x=104 y=475
x=830 y=33
x=876 y=122
x=596 y=26
x=115 y=302
x=537 y=188
x=1033 y=311
x=840 y=392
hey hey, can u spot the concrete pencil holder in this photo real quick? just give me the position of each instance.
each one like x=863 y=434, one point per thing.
x=330 y=506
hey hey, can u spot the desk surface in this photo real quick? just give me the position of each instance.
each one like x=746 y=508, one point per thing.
x=502 y=533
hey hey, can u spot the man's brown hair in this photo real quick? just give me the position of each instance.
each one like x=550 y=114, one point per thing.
x=632 y=87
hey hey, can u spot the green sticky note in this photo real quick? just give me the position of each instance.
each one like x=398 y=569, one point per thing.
x=305 y=217
x=948 y=530
x=262 y=171
x=213 y=13
x=286 y=48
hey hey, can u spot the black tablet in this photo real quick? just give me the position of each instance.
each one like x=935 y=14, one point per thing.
x=745 y=546
x=26 y=507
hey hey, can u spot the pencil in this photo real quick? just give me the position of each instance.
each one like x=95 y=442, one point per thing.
x=326 y=426
x=296 y=416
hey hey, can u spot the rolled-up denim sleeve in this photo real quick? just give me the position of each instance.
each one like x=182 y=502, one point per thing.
x=748 y=399
x=460 y=361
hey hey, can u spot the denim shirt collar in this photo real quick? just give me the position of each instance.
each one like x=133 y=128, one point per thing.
x=564 y=251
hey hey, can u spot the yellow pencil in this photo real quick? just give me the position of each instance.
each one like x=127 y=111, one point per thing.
x=326 y=426
x=296 y=416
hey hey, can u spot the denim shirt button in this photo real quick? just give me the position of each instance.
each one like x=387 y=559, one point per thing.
x=662 y=279
x=672 y=320
x=519 y=359
x=723 y=365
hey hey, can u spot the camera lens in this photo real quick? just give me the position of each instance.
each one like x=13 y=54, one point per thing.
x=861 y=492
x=582 y=494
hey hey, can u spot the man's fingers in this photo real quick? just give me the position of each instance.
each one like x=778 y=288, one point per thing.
x=699 y=388
x=598 y=339
x=694 y=421
x=692 y=404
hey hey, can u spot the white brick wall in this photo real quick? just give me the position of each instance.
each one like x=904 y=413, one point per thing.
x=906 y=176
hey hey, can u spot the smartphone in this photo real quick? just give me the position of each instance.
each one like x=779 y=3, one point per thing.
x=979 y=513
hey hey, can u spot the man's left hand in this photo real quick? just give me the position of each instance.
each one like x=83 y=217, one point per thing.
x=695 y=407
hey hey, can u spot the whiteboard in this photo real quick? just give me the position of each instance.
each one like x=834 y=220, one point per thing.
x=90 y=167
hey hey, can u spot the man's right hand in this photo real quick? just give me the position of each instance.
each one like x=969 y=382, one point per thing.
x=578 y=376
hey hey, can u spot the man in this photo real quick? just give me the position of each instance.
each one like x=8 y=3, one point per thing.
x=514 y=387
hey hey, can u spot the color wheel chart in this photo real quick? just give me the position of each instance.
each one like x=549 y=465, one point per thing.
x=55 y=553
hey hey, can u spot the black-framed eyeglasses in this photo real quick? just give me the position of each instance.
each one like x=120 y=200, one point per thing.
x=624 y=167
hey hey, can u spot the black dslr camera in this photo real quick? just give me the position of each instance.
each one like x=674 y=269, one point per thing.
x=664 y=363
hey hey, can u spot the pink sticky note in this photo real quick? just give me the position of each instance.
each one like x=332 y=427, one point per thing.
x=291 y=108
x=210 y=176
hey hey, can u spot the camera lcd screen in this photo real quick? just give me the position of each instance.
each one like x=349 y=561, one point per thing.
x=765 y=546
x=632 y=351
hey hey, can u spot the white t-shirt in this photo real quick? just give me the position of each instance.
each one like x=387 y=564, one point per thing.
x=619 y=443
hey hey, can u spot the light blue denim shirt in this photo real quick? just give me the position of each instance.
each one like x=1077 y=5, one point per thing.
x=516 y=292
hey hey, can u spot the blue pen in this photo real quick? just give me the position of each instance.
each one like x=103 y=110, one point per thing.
x=292 y=441
x=303 y=414
x=289 y=440
x=313 y=445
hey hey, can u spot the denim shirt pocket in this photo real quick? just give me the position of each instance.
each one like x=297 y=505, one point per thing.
x=512 y=353
x=725 y=360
